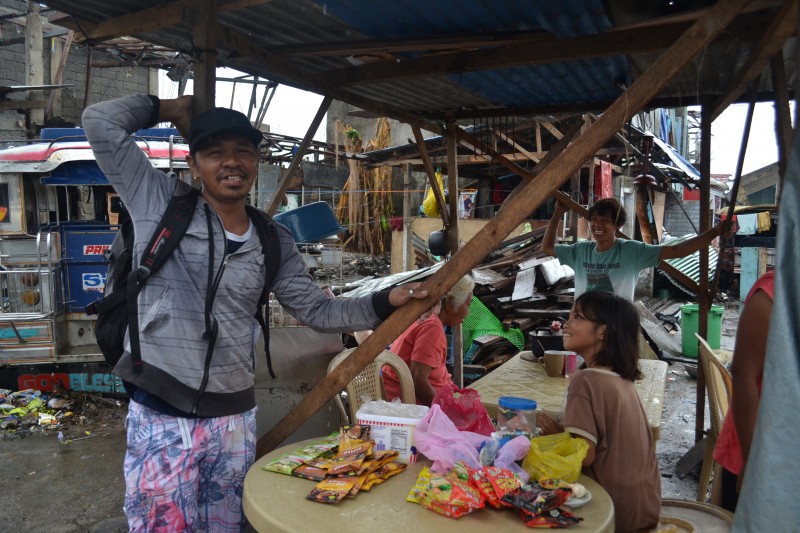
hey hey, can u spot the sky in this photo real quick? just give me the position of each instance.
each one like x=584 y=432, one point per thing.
x=726 y=139
x=292 y=110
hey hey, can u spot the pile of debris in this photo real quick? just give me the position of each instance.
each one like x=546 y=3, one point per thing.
x=32 y=411
x=354 y=266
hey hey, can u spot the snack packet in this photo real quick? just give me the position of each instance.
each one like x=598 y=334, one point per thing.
x=382 y=474
x=450 y=497
x=480 y=480
x=310 y=472
x=330 y=490
x=503 y=481
x=555 y=518
x=536 y=499
x=290 y=461
x=349 y=461
x=419 y=487
x=352 y=435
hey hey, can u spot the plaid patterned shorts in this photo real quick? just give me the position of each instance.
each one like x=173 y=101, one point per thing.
x=187 y=474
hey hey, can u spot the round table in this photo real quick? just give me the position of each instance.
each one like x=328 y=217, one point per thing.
x=276 y=502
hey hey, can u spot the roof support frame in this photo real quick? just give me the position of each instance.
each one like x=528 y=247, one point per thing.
x=514 y=211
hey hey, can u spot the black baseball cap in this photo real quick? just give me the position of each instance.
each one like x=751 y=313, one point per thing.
x=221 y=120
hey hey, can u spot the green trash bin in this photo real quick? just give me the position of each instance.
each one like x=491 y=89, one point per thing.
x=689 y=319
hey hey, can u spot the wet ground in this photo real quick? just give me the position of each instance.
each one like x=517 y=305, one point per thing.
x=77 y=486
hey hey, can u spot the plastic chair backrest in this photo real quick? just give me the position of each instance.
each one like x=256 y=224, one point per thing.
x=718 y=384
x=367 y=385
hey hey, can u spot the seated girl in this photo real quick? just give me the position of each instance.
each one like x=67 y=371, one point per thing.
x=603 y=408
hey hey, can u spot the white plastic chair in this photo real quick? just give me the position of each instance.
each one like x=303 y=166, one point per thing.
x=718 y=386
x=367 y=385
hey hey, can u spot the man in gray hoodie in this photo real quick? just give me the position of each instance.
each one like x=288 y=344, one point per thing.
x=191 y=421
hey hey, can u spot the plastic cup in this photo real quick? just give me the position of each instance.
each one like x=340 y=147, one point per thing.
x=554 y=363
x=570 y=364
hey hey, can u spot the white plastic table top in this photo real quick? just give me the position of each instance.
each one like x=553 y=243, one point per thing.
x=276 y=502
x=526 y=379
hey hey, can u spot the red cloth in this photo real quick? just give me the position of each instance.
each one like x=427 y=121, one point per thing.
x=602 y=180
x=728 y=451
x=423 y=343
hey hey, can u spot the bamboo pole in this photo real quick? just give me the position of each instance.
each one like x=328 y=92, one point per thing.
x=642 y=91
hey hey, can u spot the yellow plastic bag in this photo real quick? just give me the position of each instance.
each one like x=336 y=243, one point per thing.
x=556 y=456
x=429 y=205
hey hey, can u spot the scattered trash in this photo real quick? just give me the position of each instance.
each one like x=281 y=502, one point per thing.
x=30 y=411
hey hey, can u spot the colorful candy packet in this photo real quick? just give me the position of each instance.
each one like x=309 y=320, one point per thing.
x=419 y=487
x=330 y=490
x=536 y=499
x=555 y=518
x=503 y=481
x=383 y=473
x=450 y=497
x=310 y=472
x=480 y=480
x=348 y=462
x=290 y=461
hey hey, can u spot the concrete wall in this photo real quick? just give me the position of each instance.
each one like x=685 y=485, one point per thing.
x=106 y=83
x=675 y=221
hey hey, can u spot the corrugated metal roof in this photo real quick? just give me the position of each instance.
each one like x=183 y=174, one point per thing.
x=690 y=265
x=297 y=42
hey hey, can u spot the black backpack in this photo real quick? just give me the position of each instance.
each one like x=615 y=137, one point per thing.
x=117 y=310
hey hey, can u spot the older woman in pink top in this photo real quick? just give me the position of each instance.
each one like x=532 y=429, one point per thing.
x=423 y=346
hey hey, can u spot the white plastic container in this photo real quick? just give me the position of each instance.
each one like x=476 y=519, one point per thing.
x=391 y=432
x=331 y=257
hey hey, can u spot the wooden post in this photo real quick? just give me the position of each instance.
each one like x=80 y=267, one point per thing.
x=277 y=198
x=204 y=36
x=87 y=86
x=56 y=75
x=426 y=162
x=704 y=302
x=408 y=249
x=529 y=196
x=453 y=200
x=34 y=65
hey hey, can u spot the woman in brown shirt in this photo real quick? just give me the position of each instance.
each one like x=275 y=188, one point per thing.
x=603 y=408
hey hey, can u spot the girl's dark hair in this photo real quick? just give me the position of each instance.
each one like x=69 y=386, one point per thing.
x=620 y=349
x=611 y=208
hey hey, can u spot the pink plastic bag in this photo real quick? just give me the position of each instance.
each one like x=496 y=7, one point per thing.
x=513 y=451
x=438 y=439
x=464 y=408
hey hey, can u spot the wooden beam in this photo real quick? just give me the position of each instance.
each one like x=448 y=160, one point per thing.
x=782 y=27
x=391 y=46
x=283 y=186
x=518 y=147
x=204 y=35
x=783 y=119
x=545 y=50
x=431 y=173
x=515 y=210
x=22 y=104
x=56 y=80
x=453 y=198
x=703 y=297
x=150 y=19
x=244 y=46
x=452 y=184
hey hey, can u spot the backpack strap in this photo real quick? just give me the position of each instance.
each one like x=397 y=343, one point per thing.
x=173 y=225
x=271 y=247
